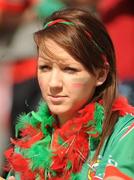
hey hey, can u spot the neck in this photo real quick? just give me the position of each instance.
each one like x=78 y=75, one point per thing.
x=62 y=119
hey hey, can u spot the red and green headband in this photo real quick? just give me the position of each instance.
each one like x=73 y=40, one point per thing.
x=62 y=21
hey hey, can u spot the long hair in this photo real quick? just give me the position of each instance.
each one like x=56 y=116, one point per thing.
x=87 y=41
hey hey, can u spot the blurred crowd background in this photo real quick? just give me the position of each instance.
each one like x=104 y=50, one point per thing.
x=19 y=19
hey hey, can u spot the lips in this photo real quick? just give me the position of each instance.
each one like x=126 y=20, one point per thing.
x=57 y=98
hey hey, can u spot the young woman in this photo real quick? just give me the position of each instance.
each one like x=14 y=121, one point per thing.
x=83 y=130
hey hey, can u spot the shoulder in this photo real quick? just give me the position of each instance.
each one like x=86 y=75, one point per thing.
x=117 y=154
x=124 y=124
x=122 y=135
x=124 y=127
x=120 y=154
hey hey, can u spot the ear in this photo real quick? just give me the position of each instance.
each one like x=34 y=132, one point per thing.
x=101 y=75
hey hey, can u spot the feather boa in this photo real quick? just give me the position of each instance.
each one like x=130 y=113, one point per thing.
x=46 y=151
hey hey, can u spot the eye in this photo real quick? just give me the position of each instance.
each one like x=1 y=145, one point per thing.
x=44 y=68
x=70 y=70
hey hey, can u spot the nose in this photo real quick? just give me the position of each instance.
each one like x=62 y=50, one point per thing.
x=55 y=81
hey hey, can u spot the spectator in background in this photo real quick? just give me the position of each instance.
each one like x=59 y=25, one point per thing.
x=118 y=16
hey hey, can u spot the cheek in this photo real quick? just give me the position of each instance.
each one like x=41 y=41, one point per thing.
x=79 y=84
x=82 y=88
x=78 y=89
x=42 y=84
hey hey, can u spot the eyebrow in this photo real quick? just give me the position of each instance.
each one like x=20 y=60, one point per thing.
x=43 y=59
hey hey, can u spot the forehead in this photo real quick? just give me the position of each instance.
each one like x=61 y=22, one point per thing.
x=49 y=50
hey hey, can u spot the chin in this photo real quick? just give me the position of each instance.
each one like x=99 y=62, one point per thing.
x=56 y=109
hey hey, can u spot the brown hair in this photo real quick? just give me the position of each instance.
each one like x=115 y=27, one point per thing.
x=88 y=51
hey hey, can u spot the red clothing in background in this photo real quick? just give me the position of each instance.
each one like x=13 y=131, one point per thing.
x=118 y=16
x=15 y=6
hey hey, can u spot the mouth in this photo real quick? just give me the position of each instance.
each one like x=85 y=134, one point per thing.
x=57 y=98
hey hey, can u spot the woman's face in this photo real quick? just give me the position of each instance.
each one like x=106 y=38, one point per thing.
x=65 y=84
